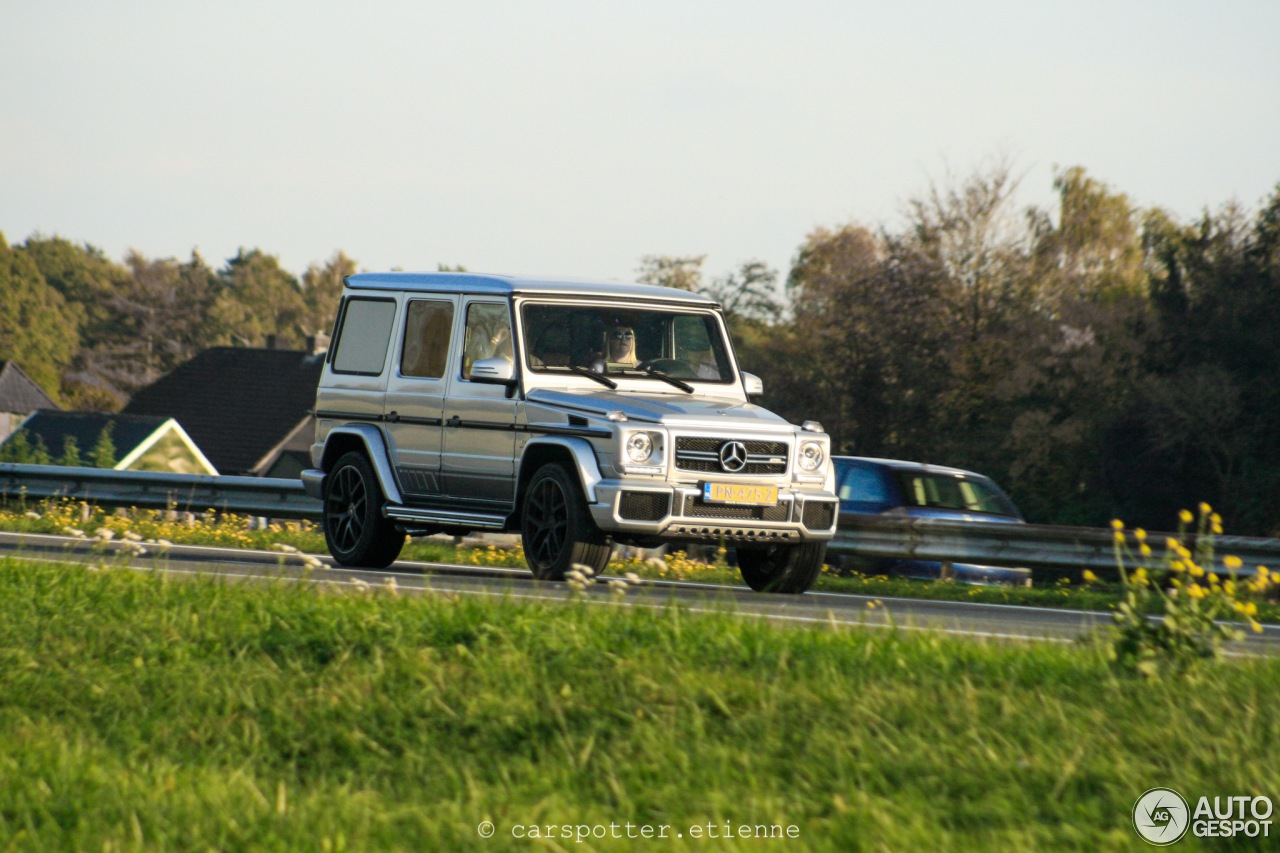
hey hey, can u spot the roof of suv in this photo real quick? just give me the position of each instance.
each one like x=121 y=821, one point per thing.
x=505 y=285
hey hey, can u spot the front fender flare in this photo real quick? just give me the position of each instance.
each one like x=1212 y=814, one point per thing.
x=582 y=454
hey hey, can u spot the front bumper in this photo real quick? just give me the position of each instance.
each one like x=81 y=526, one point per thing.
x=679 y=513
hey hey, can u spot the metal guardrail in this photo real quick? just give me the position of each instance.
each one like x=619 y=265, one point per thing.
x=1046 y=549
x=257 y=496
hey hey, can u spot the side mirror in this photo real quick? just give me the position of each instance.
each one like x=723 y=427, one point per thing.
x=493 y=371
x=753 y=385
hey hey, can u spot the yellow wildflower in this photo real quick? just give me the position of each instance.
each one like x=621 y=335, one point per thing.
x=1144 y=549
x=1140 y=535
x=1117 y=524
x=1140 y=576
x=1205 y=509
x=1232 y=562
x=1119 y=537
x=1185 y=517
x=1172 y=544
x=1090 y=577
x=1196 y=591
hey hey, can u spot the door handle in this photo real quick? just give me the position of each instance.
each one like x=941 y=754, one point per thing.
x=393 y=417
x=454 y=421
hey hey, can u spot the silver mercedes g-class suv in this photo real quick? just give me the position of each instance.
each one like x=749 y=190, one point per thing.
x=579 y=414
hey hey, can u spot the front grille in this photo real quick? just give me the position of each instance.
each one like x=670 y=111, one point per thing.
x=643 y=506
x=696 y=507
x=819 y=515
x=703 y=455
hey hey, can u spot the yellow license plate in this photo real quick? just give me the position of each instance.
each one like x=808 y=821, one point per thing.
x=737 y=493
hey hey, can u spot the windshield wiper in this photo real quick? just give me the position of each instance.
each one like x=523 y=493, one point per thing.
x=670 y=380
x=591 y=374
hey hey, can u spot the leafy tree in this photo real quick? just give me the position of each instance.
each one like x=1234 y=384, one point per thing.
x=70 y=453
x=322 y=290
x=37 y=327
x=103 y=454
x=21 y=450
x=1095 y=248
x=163 y=314
x=87 y=280
x=257 y=299
x=669 y=271
x=749 y=295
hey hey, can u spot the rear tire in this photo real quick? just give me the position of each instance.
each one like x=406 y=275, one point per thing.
x=790 y=569
x=355 y=530
x=555 y=527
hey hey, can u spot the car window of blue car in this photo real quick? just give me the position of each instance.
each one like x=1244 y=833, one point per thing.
x=942 y=491
x=862 y=486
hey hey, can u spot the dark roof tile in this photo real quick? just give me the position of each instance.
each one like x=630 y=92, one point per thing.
x=235 y=403
x=54 y=427
x=19 y=393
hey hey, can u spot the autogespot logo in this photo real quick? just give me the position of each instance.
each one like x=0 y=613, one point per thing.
x=1161 y=816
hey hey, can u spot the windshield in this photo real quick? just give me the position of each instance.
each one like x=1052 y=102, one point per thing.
x=617 y=341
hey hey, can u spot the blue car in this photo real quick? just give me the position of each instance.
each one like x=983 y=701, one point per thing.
x=895 y=488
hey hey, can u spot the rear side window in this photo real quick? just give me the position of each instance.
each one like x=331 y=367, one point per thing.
x=428 y=327
x=864 y=486
x=944 y=491
x=363 y=338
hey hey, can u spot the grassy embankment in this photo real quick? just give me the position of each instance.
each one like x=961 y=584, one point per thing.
x=234 y=531
x=138 y=712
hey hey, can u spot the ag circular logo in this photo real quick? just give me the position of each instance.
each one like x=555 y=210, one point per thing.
x=1161 y=816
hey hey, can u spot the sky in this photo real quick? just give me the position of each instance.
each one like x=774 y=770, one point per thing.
x=573 y=138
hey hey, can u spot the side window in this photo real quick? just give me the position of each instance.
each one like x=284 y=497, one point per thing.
x=488 y=334
x=863 y=485
x=428 y=326
x=363 y=338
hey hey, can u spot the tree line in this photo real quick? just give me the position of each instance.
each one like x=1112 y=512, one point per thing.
x=1098 y=359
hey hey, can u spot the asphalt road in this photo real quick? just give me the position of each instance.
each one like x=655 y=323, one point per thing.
x=970 y=619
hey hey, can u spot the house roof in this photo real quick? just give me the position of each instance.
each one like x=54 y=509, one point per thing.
x=236 y=403
x=19 y=393
x=53 y=427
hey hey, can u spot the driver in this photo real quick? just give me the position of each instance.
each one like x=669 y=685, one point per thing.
x=620 y=346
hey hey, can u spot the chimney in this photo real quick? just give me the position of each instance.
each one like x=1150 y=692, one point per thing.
x=317 y=343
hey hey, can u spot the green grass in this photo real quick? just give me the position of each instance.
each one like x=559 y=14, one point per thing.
x=142 y=713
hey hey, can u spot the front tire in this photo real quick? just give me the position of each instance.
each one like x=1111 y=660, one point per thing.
x=555 y=527
x=354 y=528
x=790 y=569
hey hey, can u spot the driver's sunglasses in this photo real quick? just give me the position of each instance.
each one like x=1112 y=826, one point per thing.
x=622 y=335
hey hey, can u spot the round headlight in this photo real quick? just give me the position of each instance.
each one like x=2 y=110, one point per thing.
x=639 y=447
x=811 y=456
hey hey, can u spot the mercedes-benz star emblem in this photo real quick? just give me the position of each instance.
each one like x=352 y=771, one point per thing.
x=733 y=456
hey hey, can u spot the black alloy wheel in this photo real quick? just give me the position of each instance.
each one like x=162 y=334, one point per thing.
x=556 y=529
x=788 y=569
x=354 y=528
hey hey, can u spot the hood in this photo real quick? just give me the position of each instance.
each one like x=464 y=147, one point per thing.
x=666 y=409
